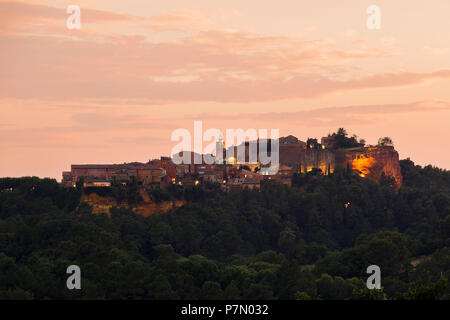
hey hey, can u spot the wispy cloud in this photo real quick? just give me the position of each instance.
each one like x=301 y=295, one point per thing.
x=206 y=65
x=329 y=116
x=436 y=51
x=23 y=18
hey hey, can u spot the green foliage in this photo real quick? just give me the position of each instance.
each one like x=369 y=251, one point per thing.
x=313 y=240
x=341 y=140
x=422 y=292
x=159 y=194
x=312 y=143
x=386 y=141
x=302 y=296
x=366 y=294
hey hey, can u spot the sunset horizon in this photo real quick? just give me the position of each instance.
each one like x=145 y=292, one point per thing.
x=115 y=89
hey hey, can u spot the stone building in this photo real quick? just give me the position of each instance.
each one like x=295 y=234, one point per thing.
x=102 y=175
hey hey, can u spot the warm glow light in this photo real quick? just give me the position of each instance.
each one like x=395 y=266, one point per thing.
x=363 y=165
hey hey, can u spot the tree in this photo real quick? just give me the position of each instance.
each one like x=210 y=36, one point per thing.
x=161 y=289
x=368 y=294
x=312 y=143
x=386 y=141
x=387 y=249
x=286 y=242
x=15 y=294
x=341 y=140
x=275 y=243
x=341 y=132
x=445 y=228
x=232 y=291
x=432 y=292
x=302 y=296
x=211 y=291
x=258 y=291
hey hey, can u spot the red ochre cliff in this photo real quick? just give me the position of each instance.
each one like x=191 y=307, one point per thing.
x=372 y=162
x=147 y=207
x=367 y=162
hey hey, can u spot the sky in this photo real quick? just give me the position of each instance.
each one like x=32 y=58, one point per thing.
x=114 y=90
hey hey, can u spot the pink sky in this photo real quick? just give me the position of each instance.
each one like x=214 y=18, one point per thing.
x=115 y=90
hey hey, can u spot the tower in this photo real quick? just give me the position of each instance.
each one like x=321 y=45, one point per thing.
x=220 y=150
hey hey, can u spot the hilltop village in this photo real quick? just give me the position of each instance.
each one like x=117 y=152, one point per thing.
x=334 y=151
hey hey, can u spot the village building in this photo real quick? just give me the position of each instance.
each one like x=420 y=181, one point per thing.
x=294 y=158
x=103 y=175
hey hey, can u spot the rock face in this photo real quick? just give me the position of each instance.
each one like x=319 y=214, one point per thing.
x=365 y=161
x=374 y=161
x=146 y=208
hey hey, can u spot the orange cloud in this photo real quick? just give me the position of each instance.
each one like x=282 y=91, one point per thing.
x=23 y=15
x=30 y=18
x=209 y=66
x=329 y=116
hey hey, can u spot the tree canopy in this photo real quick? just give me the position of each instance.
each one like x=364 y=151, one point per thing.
x=313 y=240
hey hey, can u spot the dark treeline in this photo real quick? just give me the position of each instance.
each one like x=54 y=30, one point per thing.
x=313 y=240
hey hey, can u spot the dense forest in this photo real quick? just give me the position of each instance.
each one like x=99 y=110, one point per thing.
x=313 y=240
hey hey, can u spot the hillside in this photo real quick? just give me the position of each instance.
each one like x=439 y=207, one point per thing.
x=313 y=240
x=146 y=207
